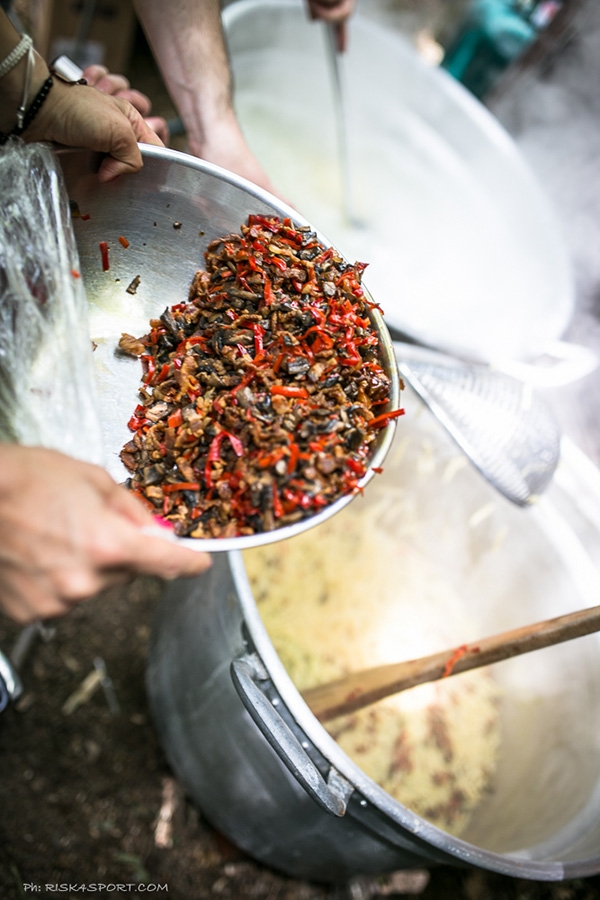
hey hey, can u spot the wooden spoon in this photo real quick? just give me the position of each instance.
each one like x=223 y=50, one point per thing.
x=360 y=689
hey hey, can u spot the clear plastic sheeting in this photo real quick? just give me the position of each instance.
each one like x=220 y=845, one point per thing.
x=46 y=377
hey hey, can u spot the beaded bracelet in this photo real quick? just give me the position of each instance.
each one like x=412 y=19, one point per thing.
x=31 y=112
x=16 y=55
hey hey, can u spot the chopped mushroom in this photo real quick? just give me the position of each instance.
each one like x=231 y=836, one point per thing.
x=131 y=345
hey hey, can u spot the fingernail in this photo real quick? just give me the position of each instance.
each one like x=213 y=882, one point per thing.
x=164 y=523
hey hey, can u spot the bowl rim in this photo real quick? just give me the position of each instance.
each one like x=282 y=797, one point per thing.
x=154 y=155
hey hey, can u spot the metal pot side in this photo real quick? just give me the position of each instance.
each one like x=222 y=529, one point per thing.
x=237 y=780
x=248 y=793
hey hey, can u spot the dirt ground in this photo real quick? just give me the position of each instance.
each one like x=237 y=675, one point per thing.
x=81 y=791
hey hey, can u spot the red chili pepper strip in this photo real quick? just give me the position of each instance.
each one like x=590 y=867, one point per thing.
x=244 y=382
x=214 y=453
x=164 y=373
x=308 y=352
x=317 y=314
x=104 y=256
x=458 y=654
x=181 y=486
x=150 y=365
x=155 y=333
x=238 y=447
x=269 y=224
x=194 y=339
x=123 y=241
x=75 y=273
x=268 y=292
x=377 y=469
x=283 y=390
x=175 y=419
x=321 y=333
x=136 y=423
x=277 y=507
x=271 y=458
x=355 y=466
x=278 y=263
x=277 y=363
x=299 y=498
x=258 y=337
x=354 y=358
x=383 y=419
x=326 y=254
x=147 y=503
x=294 y=456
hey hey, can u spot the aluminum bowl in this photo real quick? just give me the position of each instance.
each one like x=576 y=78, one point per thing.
x=168 y=213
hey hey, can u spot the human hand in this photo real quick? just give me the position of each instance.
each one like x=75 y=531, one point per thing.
x=73 y=115
x=67 y=531
x=337 y=12
x=81 y=116
x=118 y=86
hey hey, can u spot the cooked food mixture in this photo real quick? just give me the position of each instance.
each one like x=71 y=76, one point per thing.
x=351 y=594
x=263 y=393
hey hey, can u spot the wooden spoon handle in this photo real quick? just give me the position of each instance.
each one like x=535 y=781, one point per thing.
x=360 y=689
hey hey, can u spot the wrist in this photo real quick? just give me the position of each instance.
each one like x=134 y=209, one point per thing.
x=207 y=137
x=54 y=119
x=13 y=86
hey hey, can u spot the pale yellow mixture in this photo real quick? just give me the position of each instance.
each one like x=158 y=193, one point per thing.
x=352 y=594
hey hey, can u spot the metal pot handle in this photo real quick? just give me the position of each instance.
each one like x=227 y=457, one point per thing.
x=332 y=795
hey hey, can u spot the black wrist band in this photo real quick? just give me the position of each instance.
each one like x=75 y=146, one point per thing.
x=32 y=111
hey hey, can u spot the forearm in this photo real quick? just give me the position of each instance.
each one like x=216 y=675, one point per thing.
x=189 y=47
x=187 y=40
x=13 y=82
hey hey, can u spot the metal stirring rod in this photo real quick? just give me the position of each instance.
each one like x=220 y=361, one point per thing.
x=339 y=102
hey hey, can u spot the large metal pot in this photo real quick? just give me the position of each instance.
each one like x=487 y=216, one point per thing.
x=266 y=773
x=234 y=727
